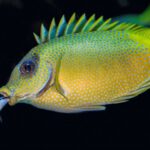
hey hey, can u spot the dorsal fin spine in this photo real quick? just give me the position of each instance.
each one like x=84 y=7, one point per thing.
x=111 y=25
x=71 y=24
x=61 y=26
x=52 y=30
x=88 y=23
x=43 y=33
x=105 y=23
x=130 y=27
x=80 y=23
x=96 y=24
x=37 y=38
x=120 y=26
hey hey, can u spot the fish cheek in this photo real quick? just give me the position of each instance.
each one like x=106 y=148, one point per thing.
x=30 y=77
x=39 y=81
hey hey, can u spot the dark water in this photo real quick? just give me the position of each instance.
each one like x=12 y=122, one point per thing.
x=122 y=125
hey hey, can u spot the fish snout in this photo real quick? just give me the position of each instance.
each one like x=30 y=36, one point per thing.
x=5 y=96
x=3 y=101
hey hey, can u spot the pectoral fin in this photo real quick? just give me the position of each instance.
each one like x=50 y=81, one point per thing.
x=58 y=86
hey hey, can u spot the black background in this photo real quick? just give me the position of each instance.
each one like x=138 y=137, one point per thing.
x=122 y=125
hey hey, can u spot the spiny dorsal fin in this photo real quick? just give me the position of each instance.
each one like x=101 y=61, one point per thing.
x=61 y=26
x=71 y=24
x=88 y=24
x=52 y=29
x=81 y=25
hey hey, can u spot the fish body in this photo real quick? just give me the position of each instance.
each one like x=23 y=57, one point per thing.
x=98 y=68
x=82 y=66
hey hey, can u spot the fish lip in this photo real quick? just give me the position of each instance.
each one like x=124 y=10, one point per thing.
x=4 y=94
x=4 y=100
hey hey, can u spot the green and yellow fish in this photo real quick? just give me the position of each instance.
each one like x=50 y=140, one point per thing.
x=82 y=65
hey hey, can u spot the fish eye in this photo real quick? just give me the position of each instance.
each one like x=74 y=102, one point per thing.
x=28 y=67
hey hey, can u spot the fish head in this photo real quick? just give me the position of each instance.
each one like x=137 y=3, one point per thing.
x=29 y=79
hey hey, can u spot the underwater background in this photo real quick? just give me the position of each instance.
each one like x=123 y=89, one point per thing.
x=121 y=125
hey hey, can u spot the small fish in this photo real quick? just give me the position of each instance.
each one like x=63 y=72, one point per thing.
x=82 y=65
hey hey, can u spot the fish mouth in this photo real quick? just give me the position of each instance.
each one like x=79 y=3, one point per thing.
x=8 y=97
x=11 y=100
x=4 y=99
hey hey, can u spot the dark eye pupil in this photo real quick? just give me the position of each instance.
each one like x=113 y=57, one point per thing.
x=27 y=67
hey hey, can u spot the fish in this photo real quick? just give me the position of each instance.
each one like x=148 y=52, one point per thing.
x=81 y=65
